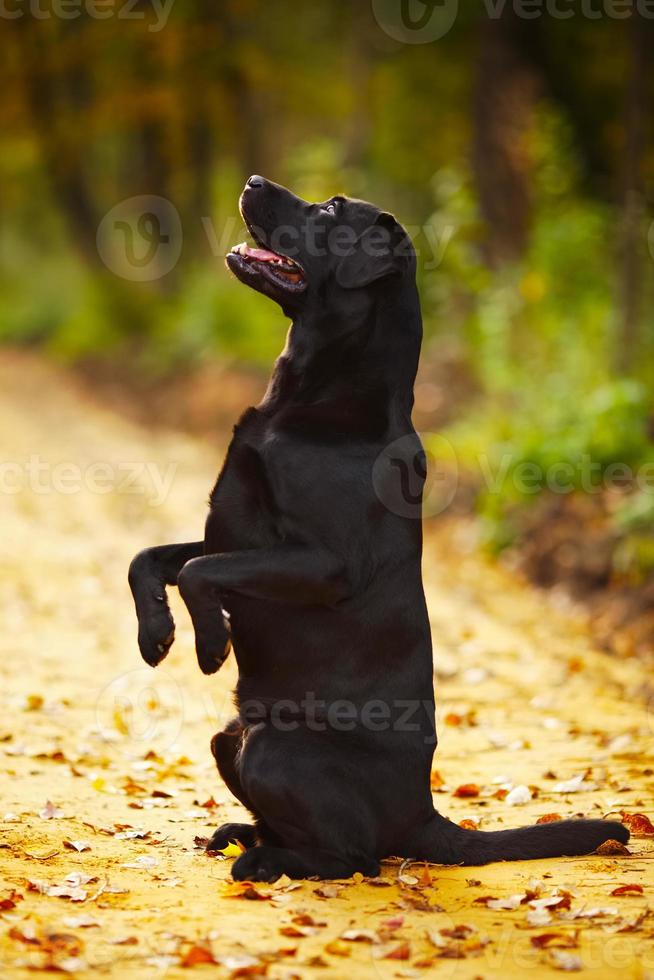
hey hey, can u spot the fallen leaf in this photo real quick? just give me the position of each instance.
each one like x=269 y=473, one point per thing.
x=510 y=903
x=610 y=847
x=209 y=804
x=51 y=812
x=329 y=890
x=469 y=824
x=233 y=850
x=539 y=917
x=77 y=845
x=401 y=952
x=196 y=955
x=562 y=940
x=628 y=890
x=549 y=818
x=518 y=796
x=244 y=889
x=564 y=961
x=467 y=790
x=639 y=824
x=574 y=785
x=338 y=948
x=360 y=936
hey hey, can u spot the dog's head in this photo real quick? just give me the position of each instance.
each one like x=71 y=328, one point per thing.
x=319 y=252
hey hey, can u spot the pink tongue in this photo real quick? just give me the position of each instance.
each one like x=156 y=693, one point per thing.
x=262 y=254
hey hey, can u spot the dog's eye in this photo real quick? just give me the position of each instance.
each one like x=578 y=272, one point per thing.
x=329 y=208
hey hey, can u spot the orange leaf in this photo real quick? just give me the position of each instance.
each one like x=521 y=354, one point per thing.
x=243 y=889
x=469 y=824
x=197 y=954
x=638 y=824
x=436 y=780
x=610 y=847
x=628 y=890
x=424 y=880
x=468 y=789
x=549 y=818
x=401 y=952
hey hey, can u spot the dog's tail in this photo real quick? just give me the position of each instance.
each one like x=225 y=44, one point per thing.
x=444 y=842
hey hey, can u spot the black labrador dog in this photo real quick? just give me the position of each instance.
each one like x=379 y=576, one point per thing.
x=312 y=573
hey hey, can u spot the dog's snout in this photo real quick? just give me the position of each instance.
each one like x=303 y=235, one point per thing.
x=255 y=181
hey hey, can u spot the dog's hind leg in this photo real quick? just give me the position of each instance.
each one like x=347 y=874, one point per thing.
x=225 y=747
x=445 y=842
x=149 y=574
x=317 y=820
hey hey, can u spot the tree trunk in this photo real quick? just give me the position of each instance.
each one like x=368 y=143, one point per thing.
x=633 y=196
x=504 y=94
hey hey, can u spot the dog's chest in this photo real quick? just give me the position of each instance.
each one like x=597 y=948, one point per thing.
x=243 y=513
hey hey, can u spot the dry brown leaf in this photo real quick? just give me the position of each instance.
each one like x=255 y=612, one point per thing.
x=244 y=889
x=639 y=824
x=612 y=847
x=550 y=818
x=330 y=889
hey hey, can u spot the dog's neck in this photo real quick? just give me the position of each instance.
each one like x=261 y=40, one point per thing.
x=335 y=366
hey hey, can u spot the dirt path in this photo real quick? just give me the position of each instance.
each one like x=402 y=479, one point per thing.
x=106 y=778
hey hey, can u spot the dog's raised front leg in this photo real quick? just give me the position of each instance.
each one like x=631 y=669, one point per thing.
x=149 y=574
x=287 y=573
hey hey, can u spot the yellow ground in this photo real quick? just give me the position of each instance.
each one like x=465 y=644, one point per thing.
x=94 y=746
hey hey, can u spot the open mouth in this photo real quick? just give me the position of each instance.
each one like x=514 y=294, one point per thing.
x=248 y=263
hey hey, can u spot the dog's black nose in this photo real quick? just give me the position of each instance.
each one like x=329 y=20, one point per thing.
x=255 y=181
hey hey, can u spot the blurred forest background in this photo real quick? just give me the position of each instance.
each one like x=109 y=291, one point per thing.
x=519 y=152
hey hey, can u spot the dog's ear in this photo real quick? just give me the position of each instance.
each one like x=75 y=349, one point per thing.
x=383 y=249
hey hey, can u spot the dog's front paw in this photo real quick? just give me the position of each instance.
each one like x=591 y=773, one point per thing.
x=156 y=636
x=212 y=645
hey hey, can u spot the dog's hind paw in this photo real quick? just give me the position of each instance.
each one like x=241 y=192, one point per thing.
x=244 y=833
x=263 y=864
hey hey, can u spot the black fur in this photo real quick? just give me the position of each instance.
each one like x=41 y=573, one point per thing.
x=320 y=574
